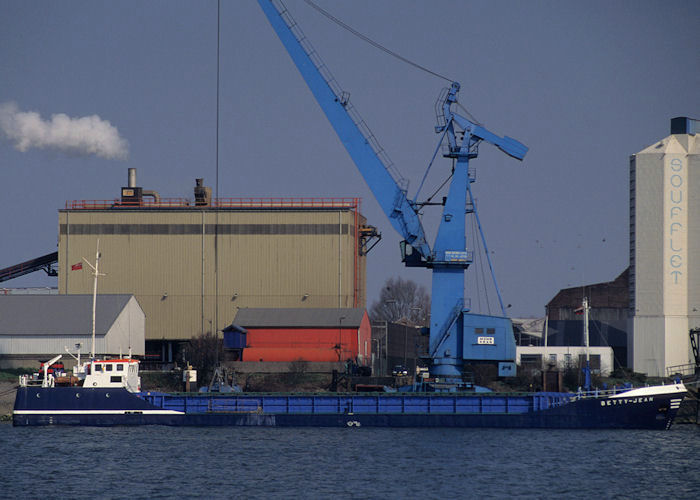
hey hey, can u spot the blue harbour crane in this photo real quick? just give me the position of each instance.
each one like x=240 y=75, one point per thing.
x=457 y=337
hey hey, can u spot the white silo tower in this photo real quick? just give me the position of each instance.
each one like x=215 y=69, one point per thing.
x=665 y=249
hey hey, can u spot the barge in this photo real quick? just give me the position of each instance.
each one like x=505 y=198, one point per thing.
x=107 y=393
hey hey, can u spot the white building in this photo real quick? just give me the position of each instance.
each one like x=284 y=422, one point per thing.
x=601 y=358
x=665 y=249
x=38 y=327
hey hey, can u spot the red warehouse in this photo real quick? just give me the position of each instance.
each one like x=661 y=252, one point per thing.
x=334 y=335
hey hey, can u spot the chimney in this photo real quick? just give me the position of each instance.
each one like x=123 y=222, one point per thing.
x=131 y=194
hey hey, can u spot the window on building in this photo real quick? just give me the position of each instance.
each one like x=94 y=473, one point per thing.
x=479 y=331
x=491 y=331
x=531 y=359
x=553 y=358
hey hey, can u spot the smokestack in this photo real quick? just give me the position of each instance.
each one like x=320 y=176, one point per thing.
x=132 y=194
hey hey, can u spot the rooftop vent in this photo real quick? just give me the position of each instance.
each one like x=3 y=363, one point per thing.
x=202 y=194
x=684 y=125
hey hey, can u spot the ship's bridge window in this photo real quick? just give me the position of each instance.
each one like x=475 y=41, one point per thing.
x=478 y=331
x=98 y=368
x=120 y=367
x=491 y=331
x=108 y=367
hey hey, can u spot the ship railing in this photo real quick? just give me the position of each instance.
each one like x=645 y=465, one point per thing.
x=30 y=380
x=685 y=370
x=598 y=393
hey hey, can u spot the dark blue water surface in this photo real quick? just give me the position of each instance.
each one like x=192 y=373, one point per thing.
x=163 y=462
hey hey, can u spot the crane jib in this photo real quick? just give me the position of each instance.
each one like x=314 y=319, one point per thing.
x=355 y=137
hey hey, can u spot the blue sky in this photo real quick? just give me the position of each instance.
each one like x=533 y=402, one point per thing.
x=582 y=84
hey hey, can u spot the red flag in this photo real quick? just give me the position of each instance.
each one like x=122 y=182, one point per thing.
x=76 y=267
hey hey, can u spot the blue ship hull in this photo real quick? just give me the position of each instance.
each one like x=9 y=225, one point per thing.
x=108 y=407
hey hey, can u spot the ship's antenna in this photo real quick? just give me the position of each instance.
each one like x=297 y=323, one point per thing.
x=95 y=273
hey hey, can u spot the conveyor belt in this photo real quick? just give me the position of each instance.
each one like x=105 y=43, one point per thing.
x=42 y=263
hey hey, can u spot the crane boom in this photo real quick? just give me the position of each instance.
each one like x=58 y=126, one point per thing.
x=353 y=133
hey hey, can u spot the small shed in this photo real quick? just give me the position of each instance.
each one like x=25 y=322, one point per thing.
x=37 y=327
x=308 y=334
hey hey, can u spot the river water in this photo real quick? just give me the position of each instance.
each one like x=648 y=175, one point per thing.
x=164 y=462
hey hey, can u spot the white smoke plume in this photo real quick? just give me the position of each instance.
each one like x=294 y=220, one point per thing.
x=82 y=136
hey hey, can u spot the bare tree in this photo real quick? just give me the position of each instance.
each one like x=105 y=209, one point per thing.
x=402 y=299
x=205 y=354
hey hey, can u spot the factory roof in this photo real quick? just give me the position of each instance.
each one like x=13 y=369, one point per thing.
x=58 y=314
x=299 y=317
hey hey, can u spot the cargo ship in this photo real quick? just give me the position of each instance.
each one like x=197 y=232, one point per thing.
x=108 y=392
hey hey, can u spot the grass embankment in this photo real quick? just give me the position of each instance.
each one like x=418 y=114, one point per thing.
x=8 y=387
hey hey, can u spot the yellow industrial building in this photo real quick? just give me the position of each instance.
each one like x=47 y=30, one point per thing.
x=192 y=264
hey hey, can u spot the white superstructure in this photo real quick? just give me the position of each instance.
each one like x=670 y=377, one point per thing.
x=665 y=249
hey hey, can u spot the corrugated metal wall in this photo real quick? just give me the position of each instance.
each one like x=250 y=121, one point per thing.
x=309 y=344
x=169 y=260
x=317 y=344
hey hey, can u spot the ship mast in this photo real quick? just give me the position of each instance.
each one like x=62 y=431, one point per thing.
x=95 y=273
x=587 y=368
x=585 y=329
